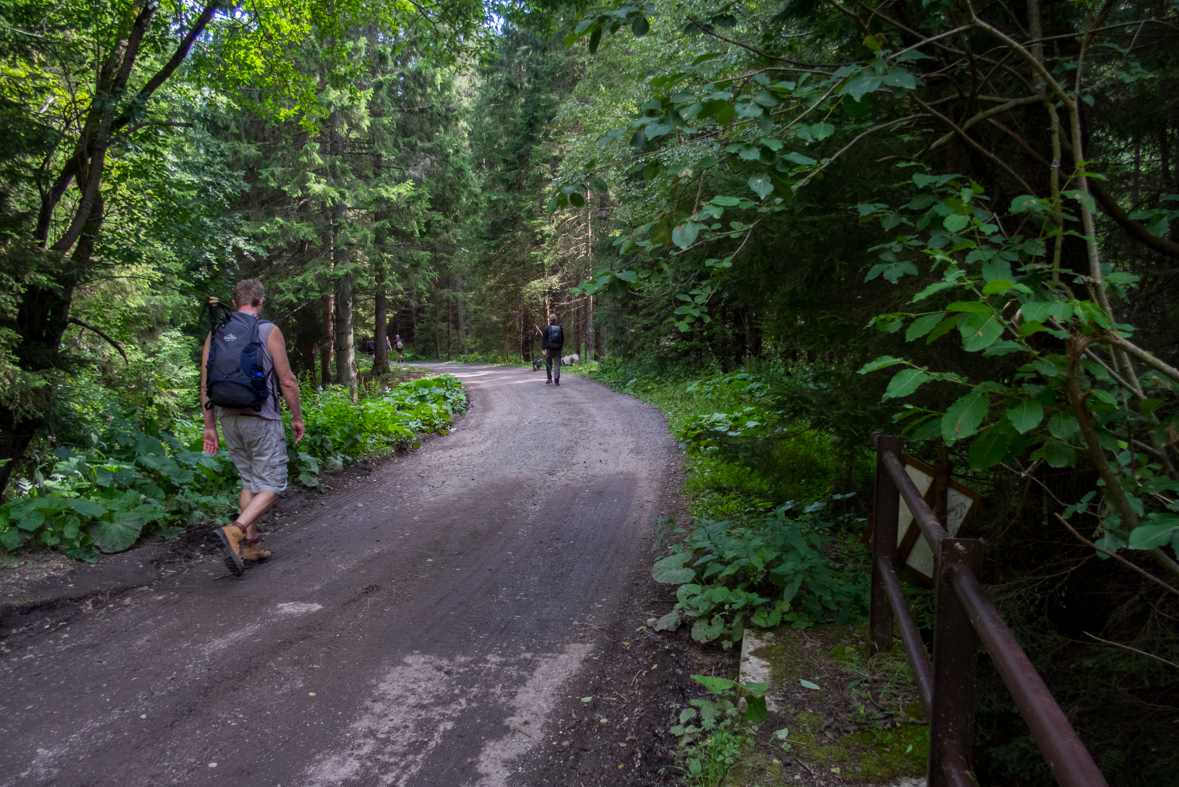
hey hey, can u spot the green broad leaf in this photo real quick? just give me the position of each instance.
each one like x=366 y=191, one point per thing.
x=118 y=535
x=715 y=685
x=900 y=78
x=989 y=448
x=1056 y=453
x=1041 y=311
x=761 y=185
x=640 y=27
x=1046 y=367
x=1083 y=198
x=864 y=82
x=999 y=285
x=1002 y=347
x=936 y=287
x=974 y=307
x=856 y=109
x=980 y=331
x=882 y=362
x=1110 y=542
x=12 y=540
x=905 y=382
x=1153 y=535
x=1027 y=202
x=577 y=200
x=798 y=158
x=727 y=202
x=756 y=712
x=669 y=622
x=821 y=131
x=1026 y=415
x=627 y=276
x=963 y=417
x=50 y=503
x=923 y=325
x=944 y=327
x=955 y=222
x=31 y=520
x=595 y=39
x=685 y=234
x=706 y=630
x=806 y=684
x=672 y=570
x=922 y=180
x=87 y=508
x=892 y=271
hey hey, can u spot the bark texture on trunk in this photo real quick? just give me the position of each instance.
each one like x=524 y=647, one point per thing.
x=381 y=329
x=329 y=329
x=345 y=342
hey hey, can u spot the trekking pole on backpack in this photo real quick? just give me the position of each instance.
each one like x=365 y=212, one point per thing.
x=209 y=308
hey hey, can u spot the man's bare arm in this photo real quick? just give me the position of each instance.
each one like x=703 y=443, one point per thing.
x=206 y=411
x=286 y=380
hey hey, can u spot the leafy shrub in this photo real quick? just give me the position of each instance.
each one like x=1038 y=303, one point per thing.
x=340 y=431
x=770 y=569
x=713 y=733
x=131 y=482
x=137 y=480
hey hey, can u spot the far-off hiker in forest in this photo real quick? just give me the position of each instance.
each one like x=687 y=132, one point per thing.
x=399 y=346
x=243 y=365
x=552 y=341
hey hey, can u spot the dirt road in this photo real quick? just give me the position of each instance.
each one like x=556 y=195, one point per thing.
x=430 y=626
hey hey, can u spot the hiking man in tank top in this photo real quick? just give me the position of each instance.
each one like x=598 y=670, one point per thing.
x=552 y=341
x=256 y=439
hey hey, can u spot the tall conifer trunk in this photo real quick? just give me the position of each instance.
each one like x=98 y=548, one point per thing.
x=381 y=329
x=329 y=330
x=345 y=342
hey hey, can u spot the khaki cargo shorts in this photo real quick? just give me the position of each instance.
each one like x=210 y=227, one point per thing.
x=258 y=447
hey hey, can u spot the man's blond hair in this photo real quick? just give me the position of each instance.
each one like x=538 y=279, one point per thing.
x=248 y=292
x=552 y=318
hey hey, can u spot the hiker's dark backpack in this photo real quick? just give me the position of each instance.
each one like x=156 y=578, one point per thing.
x=556 y=340
x=370 y=346
x=235 y=377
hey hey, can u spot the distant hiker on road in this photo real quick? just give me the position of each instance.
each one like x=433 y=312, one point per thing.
x=552 y=340
x=399 y=346
x=243 y=366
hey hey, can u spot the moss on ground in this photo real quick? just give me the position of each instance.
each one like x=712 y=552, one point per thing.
x=861 y=726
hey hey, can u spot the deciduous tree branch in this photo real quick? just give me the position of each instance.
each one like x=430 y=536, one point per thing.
x=110 y=341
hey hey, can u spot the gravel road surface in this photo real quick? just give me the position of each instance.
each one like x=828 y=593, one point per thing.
x=425 y=627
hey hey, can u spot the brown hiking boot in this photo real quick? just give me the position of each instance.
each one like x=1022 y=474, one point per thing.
x=253 y=553
x=231 y=540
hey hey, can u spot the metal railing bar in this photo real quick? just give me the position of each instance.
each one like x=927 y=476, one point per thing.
x=1058 y=742
x=956 y=774
x=922 y=514
x=910 y=637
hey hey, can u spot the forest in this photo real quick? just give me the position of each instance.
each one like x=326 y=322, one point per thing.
x=951 y=220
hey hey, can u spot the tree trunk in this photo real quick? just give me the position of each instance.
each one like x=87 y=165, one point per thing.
x=329 y=329
x=345 y=342
x=381 y=329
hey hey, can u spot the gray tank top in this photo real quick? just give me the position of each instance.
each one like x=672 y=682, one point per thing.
x=270 y=408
